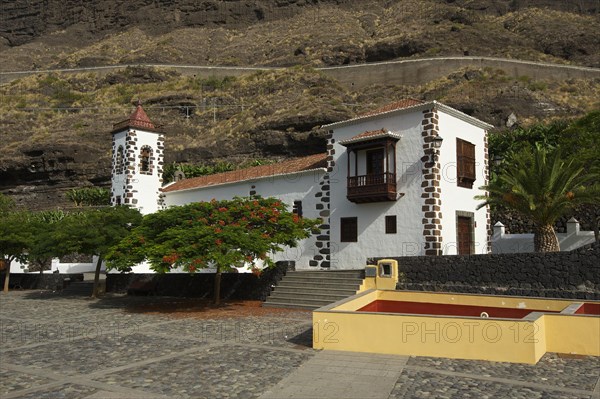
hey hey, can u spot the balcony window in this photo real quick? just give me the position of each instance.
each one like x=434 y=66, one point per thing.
x=372 y=166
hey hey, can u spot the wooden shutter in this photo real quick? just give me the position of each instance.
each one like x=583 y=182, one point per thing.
x=465 y=163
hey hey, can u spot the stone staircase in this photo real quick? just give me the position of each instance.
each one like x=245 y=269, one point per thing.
x=313 y=289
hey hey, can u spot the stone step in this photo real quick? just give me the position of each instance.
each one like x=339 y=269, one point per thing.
x=276 y=296
x=329 y=273
x=314 y=290
x=317 y=280
x=303 y=301
x=289 y=305
x=318 y=285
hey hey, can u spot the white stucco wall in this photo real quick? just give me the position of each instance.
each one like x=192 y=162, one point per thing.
x=288 y=188
x=146 y=187
x=372 y=239
x=573 y=238
x=455 y=198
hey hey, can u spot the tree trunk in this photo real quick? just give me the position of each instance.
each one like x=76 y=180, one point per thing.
x=6 y=277
x=544 y=239
x=97 y=278
x=217 y=298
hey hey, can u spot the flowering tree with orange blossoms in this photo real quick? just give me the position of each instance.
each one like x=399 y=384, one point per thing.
x=216 y=234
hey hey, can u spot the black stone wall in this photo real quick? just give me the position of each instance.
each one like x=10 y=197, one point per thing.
x=233 y=285
x=574 y=274
x=33 y=281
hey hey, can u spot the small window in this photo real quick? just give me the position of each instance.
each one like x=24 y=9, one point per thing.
x=118 y=200
x=349 y=229
x=465 y=163
x=146 y=160
x=120 y=163
x=390 y=224
x=297 y=209
x=385 y=270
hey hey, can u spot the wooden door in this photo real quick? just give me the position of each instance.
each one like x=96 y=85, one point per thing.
x=375 y=160
x=465 y=235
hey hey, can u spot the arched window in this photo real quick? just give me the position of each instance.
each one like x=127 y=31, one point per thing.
x=146 y=160
x=119 y=164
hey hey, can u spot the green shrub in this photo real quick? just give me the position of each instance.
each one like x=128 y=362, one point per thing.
x=90 y=196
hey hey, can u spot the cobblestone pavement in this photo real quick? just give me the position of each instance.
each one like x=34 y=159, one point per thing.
x=58 y=347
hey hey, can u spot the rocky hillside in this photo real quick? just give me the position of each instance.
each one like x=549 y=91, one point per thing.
x=45 y=34
x=54 y=129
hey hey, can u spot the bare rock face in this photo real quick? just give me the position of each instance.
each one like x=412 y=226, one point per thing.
x=28 y=19
x=43 y=175
x=392 y=49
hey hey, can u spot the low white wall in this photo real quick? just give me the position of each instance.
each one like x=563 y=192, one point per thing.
x=503 y=243
x=58 y=267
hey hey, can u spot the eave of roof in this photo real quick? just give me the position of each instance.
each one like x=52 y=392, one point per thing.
x=418 y=107
x=296 y=166
x=371 y=135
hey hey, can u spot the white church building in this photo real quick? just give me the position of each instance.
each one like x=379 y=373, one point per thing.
x=397 y=181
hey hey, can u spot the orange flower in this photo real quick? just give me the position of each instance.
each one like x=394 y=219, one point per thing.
x=218 y=241
x=570 y=195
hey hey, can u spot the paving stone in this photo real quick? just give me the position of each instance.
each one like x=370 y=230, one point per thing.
x=66 y=391
x=551 y=370
x=419 y=384
x=13 y=381
x=108 y=350
x=94 y=352
x=252 y=330
x=217 y=372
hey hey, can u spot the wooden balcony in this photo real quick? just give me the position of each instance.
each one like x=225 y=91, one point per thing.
x=372 y=188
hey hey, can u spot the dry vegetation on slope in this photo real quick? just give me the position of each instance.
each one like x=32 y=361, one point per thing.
x=312 y=33
x=55 y=129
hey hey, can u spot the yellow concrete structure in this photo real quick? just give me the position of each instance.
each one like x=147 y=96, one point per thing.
x=341 y=326
x=383 y=276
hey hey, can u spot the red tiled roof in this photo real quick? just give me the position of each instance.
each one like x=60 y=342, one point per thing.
x=138 y=119
x=407 y=102
x=372 y=134
x=291 y=166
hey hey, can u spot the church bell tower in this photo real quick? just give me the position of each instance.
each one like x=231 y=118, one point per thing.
x=137 y=162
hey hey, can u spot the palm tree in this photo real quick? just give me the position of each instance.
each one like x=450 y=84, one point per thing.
x=542 y=186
